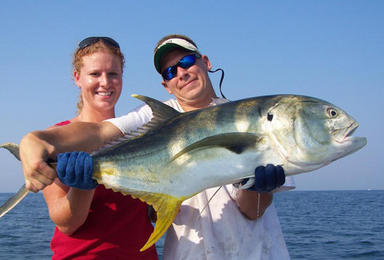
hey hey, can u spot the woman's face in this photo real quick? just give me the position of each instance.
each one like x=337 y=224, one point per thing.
x=100 y=80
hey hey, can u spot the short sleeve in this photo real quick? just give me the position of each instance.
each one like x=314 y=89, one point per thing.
x=133 y=119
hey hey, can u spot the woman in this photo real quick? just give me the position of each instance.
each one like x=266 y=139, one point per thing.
x=97 y=223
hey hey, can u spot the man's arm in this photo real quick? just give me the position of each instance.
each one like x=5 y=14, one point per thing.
x=252 y=203
x=39 y=146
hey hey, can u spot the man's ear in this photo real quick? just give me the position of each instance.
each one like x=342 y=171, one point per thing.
x=206 y=61
x=166 y=87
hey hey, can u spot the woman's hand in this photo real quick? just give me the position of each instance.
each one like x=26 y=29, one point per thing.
x=34 y=154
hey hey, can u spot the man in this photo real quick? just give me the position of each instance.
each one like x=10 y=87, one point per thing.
x=224 y=228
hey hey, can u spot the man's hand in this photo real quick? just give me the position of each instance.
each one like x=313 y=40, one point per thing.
x=257 y=189
x=268 y=178
x=33 y=155
x=75 y=169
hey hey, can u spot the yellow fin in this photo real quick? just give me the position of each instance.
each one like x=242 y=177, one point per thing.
x=166 y=207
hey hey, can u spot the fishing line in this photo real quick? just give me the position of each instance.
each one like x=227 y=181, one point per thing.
x=210 y=199
x=258 y=205
x=221 y=80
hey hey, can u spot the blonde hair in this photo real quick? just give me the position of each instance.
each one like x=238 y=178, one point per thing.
x=98 y=46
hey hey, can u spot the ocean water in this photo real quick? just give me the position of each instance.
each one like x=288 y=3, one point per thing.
x=333 y=224
x=316 y=225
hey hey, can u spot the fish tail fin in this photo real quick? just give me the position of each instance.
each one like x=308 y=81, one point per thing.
x=166 y=208
x=12 y=148
x=20 y=195
x=13 y=201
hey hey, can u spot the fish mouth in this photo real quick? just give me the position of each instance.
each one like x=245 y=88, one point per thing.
x=346 y=139
x=346 y=133
x=351 y=129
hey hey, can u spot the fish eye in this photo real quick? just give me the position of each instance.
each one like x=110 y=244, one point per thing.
x=332 y=113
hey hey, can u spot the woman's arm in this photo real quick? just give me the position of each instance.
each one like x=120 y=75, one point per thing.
x=37 y=147
x=68 y=207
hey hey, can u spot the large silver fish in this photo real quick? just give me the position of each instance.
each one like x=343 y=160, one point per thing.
x=177 y=155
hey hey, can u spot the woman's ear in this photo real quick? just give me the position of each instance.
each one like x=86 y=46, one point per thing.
x=76 y=77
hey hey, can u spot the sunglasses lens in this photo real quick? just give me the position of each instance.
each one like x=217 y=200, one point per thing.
x=110 y=41
x=87 y=41
x=92 y=40
x=169 y=73
x=187 y=61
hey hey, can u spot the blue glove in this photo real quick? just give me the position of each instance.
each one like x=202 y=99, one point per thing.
x=267 y=178
x=75 y=170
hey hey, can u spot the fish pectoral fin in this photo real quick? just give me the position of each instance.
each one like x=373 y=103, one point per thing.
x=235 y=142
x=166 y=208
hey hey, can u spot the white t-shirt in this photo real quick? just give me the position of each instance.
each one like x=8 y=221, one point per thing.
x=220 y=231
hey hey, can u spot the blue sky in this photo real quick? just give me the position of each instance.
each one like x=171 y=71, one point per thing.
x=327 y=49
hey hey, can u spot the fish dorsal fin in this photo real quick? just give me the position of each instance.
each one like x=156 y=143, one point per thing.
x=112 y=145
x=160 y=111
x=235 y=142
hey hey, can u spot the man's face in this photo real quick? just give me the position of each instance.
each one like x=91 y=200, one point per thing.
x=191 y=85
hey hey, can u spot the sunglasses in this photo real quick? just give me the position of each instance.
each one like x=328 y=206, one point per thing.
x=185 y=62
x=92 y=40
